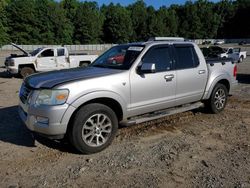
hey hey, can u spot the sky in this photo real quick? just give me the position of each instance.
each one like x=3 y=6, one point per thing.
x=155 y=3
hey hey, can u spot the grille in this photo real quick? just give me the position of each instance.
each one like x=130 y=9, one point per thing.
x=24 y=93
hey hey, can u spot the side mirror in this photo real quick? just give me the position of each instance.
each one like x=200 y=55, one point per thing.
x=147 y=68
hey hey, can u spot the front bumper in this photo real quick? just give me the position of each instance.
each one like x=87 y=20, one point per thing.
x=12 y=70
x=55 y=126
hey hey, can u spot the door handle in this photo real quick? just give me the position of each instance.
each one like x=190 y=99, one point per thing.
x=202 y=71
x=169 y=77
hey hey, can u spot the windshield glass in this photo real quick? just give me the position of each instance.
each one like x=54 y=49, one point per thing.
x=33 y=53
x=119 y=57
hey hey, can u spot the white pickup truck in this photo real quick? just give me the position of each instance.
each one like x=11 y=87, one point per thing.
x=235 y=53
x=45 y=59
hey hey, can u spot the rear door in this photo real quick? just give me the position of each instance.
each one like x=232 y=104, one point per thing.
x=154 y=91
x=191 y=74
x=46 y=60
x=61 y=58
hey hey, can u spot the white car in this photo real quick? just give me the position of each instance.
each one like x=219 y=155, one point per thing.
x=218 y=42
x=45 y=59
x=235 y=53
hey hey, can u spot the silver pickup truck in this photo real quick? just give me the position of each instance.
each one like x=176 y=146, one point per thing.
x=128 y=84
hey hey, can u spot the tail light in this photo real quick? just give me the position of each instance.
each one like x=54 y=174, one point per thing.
x=235 y=70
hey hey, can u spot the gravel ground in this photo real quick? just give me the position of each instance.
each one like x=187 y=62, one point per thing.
x=191 y=149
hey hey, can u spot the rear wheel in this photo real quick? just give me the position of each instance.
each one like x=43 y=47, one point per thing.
x=26 y=71
x=94 y=127
x=218 y=99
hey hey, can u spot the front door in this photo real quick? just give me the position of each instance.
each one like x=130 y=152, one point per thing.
x=46 y=60
x=154 y=91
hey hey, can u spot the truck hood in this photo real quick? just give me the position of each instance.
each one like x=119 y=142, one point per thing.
x=19 y=48
x=54 y=78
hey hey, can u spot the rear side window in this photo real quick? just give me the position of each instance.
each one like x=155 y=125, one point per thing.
x=60 y=52
x=160 y=56
x=186 y=57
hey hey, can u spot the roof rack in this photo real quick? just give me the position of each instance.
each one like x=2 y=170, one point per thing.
x=166 y=39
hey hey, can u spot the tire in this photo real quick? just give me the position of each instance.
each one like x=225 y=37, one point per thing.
x=84 y=64
x=86 y=135
x=26 y=71
x=218 y=99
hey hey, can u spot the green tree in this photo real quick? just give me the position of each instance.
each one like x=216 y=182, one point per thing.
x=62 y=27
x=210 y=20
x=88 y=23
x=44 y=24
x=190 y=23
x=117 y=25
x=71 y=8
x=237 y=26
x=4 y=38
x=155 y=23
x=170 y=21
x=22 y=21
x=139 y=14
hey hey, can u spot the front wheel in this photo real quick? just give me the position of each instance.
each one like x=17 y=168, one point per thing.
x=26 y=71
x=93 y=129
x=218 y=99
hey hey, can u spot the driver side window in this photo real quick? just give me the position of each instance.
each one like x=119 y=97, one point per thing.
x=47 y=53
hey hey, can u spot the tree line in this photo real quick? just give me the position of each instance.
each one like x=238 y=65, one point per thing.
x=80 y=22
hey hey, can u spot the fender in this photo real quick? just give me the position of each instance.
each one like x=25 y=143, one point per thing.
x=28 y=65
x=212 y=82
x=91 y=96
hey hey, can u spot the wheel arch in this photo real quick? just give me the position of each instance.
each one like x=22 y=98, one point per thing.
x=222 y=80
x=26 y=65
x=115 y=103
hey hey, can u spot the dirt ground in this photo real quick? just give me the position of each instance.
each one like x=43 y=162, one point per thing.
x=191 y=149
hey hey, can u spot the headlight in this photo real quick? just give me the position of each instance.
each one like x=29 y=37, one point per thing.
x=52 y=97
x=12 y=62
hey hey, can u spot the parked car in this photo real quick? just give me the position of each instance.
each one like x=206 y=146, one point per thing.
x=242 y=42
x=235 y=53
x=157 y=78
x=206 y=42
x=45 y=59
x=219 y=42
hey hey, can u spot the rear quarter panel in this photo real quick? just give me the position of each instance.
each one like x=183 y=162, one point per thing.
x=218 y=72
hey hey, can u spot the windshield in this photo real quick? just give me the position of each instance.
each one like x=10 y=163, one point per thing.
x=33 y=53
x=119 y=57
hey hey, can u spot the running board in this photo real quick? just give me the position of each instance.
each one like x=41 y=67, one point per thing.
x=162 y=113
